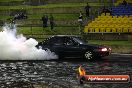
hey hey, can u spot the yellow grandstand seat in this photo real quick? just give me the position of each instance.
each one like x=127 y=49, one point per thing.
x=114 y=17
x=97 y=29
x=119 y=29
x=115 y=22
x=108 y=29
x=113 y=29
x=102 y=29
x=86 y=29
x=91 y=29
x=130 y=22
x=109 y=21
x=130 y=29
x=90 y=25
x=110 y=24
x=124 y=22
x=113 y=25
x=125 y=30
x=107 y=14
x=96 y=25
x=103 y=14
x=100 y=25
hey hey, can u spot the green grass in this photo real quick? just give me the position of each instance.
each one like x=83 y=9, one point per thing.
x=48 y=31
x=61 y=16
x=101 y=42
x=61 y=5
x=39 y=34
x=3 y=17
x=56 y=16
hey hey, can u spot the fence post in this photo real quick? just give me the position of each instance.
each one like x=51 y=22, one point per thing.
x=98 y=11
x=31 y=30
x=9 y=12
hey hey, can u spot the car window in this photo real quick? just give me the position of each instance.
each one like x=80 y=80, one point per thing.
x=56 y=40
x=69 y=41
x=80 y=41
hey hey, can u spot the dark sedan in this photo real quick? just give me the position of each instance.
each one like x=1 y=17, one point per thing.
x=73 y=46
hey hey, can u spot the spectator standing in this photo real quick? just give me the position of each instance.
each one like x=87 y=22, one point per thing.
x=105 y=10
x=51 y=21
x=80 y=20
x=87 y=7
x=45 y=20
x=124 y=3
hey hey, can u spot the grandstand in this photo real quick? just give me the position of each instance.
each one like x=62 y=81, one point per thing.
x=109 y=24
x=66 y=13
x=119 y=21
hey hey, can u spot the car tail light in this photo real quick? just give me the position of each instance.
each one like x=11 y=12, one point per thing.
x=104 y=49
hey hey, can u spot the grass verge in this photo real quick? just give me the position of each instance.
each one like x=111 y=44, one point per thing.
x=61 y=5
x=9 y=0
x=116 y=43
x=48 y=31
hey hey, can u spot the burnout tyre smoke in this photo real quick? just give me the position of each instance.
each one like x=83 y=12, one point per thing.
x=17 y=47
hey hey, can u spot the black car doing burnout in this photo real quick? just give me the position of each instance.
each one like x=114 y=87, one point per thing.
x=73 y=47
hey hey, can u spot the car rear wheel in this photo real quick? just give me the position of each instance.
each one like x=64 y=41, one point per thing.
x=88 y=55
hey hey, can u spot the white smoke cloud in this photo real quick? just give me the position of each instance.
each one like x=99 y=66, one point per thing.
x=17 y=47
